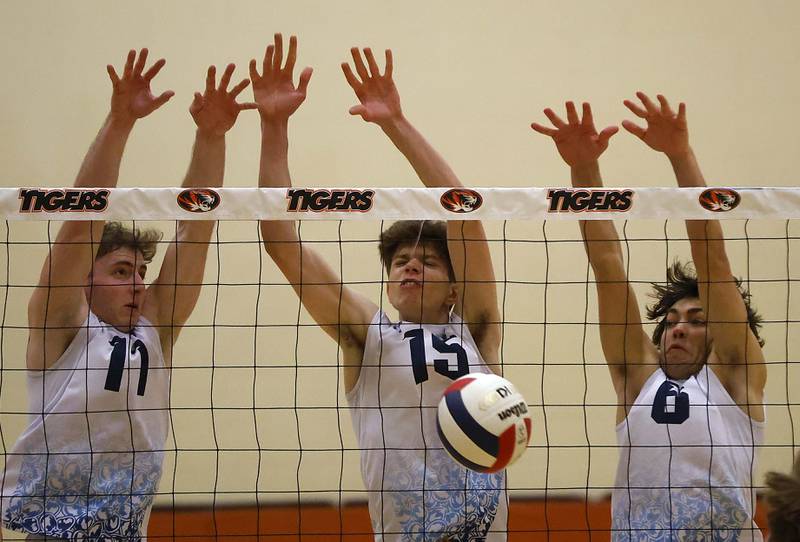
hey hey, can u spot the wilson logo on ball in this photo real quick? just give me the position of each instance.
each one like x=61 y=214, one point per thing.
x=483 y=422
x=198 y=200
x=461 y=200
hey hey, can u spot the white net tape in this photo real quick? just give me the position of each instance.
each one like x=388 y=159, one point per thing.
x=400 y=203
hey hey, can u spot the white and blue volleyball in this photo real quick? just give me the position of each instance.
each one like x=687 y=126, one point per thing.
x=483 y=422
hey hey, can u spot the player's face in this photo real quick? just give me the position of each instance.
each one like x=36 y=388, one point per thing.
x=686 y=343
x=116 y=291
x=419 y=284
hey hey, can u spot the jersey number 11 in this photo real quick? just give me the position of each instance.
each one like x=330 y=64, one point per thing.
x=116 y=365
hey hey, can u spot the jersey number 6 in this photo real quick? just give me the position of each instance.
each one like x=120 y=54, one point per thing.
x=670 y=405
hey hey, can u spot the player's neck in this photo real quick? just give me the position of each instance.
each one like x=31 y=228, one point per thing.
x=431 y=317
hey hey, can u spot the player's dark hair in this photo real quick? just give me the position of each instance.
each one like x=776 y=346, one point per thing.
x=116 y=236
x=783 y=499
x=429 y=234
x=682 y=283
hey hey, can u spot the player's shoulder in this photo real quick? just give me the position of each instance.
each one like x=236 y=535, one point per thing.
x=636 y=380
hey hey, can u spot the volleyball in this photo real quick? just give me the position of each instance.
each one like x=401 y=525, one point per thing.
x=484 y=422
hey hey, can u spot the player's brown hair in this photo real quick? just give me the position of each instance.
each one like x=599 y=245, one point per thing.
x=682 y=283
x=116 y=236
x=428 y=233
x=783 y=499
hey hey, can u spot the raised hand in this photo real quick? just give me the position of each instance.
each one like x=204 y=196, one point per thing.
x=577 y=140
x=132 y=98
x=215 y=111
x=666 y=131
x=380 y=101
x=274 y=91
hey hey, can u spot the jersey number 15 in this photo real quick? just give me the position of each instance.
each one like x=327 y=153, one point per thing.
x=440 y=365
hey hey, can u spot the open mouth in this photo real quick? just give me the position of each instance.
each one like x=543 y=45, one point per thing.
x=410 y=283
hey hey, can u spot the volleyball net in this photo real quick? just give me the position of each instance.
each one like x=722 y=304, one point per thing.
x=257 y=410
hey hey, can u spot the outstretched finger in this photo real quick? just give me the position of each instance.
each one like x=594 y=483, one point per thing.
x=226 y=77
x=605 y=135
x=247 y=105
x=373 y=66
x=682 y=112
x=235 y=91
x=357 y=110
x=154 y=69
x=647 y=102
x=544 y=130
x=305 y=77
x=361 y=70
x=572 y=113
x=277 y=57
x=128 y=69
x=665 y=108
x=635 y=108
x=161 y=100
x=291 y=56
x=197 y=103
x=588 y=118
x=266 y=67
x=554 y=118
x=352 y=80
x=211 y=79
x=139 y=67
x=634 y=128
x=253 y=70
x=112 y=73
x=389 y=64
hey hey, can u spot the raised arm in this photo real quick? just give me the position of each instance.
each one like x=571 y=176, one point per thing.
x=630 y=354
x=342 y=313
x=736 y=347
x=469 y=250
x=173 y=295
x=59 y=302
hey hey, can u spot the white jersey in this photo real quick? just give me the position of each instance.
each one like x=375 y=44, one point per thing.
x=416 y=491
x=687 y=464
x=89 y=462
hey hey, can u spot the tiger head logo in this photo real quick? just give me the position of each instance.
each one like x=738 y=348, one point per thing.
x=461 y=200
x=198 y=200
x=720 y=200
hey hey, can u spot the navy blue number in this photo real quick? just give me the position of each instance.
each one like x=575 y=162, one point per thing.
x=417 y=345
x=671 y=404
x=116 y=365
x=144 y=365
x=440 y=365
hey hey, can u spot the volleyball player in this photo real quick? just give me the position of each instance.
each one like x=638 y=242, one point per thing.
x=100 y=343
x=783 y=499
x=690 y=399
x=440 y=280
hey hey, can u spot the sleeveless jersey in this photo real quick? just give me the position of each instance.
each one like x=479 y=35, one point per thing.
x=88 y=464
x=687 y=464
x=416 y=491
